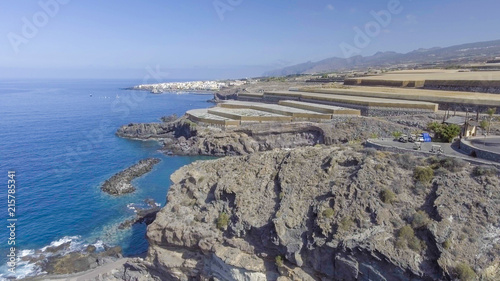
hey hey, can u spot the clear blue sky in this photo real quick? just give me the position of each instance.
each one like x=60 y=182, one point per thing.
x=188 y=38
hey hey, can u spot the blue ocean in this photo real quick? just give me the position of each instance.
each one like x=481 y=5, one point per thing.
x=59 y=138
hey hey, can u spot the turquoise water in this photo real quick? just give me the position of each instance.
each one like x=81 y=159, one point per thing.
x=60 y=142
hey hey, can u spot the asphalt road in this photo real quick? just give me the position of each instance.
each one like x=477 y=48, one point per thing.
x=491 y=144
x=448 y=148
x=425 y=146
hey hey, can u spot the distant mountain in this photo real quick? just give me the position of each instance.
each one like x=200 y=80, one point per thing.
x=472 y=52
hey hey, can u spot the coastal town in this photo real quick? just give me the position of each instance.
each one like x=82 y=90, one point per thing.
x=188 y=86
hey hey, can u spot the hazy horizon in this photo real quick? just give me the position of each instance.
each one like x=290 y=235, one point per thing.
x=222 y=38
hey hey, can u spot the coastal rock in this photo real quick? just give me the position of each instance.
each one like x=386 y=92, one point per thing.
x=120 y=183
x=184 y=137
x=142 y=215
x=80 y=261
x=154 y=131
x=321 y=210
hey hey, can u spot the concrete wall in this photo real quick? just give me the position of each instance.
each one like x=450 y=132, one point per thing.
x=468 y=148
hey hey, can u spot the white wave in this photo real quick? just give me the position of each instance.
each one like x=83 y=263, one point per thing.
x=61 y=241
x=26 y=269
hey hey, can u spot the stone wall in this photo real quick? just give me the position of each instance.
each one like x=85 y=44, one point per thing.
x=464 y=107
x=375 y=111
x=478 y=89
x=468 y=148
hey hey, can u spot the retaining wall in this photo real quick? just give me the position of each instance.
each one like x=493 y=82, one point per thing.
x=469 y=148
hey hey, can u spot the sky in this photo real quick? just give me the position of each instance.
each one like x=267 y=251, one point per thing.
x=217 y=39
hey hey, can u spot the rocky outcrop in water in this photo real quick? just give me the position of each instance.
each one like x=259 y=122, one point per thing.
x=142 y=215
x=121 y=183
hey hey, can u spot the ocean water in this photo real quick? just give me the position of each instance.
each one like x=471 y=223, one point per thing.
x=60 y=142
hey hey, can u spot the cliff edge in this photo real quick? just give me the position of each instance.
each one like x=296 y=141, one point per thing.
x=328 y=213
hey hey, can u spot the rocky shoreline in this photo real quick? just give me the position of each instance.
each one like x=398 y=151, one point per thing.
x=324 y=213
x=304 y=201
x=121 y=183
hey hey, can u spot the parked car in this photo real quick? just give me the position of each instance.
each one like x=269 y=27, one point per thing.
x=436 y=149
x=412 y=138
x=417 y=145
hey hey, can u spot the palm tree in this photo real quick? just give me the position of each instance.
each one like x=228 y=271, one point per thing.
x=490 y=113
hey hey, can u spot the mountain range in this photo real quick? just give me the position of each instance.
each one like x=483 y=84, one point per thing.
x=459 y=54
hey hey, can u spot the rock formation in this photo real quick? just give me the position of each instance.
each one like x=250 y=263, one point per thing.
x=326 y=213
x=121 y=183
x=184 y=137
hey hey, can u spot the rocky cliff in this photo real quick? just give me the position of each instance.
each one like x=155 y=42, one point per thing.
x=184 y=137
x=327 y=214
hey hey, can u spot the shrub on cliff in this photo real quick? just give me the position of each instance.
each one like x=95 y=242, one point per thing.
x=222 y=221
x=420 y=219
x=346 y=223
x=279 y=261
x=484 y=171
x=406 y=238
x=328 y=213
x=453 y=165
x=406 y=161
x=423 y=174
x=464 y=272
x=447 y=244
x=387 y=196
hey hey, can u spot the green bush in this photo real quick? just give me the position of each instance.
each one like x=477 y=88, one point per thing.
x=406 y=232
x=415 y=244
x=485 y=171
x=405 y=161
x=450 y=132
x=483 y=124
x=406 y=238
x=435 y=127
x=444 y=132
x=222 y=221
x=451 y=164
x=420 y=219
x=387 y=196
x=279 y=261
x=328 y=213
x=465 y=272
x=397 y=135
x=423 y=174
x=346 y=223
x=447 y=244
